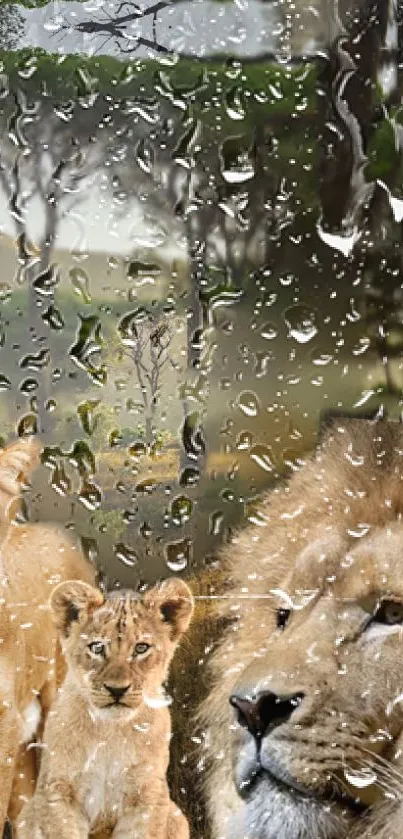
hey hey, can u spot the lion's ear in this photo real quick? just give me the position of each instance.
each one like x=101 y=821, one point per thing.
x=174 y=602
x=71 y=601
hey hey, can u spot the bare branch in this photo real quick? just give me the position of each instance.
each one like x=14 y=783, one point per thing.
x=145 y=42
x=149 y=354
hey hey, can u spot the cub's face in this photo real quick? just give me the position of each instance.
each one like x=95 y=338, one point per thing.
x=118 y=649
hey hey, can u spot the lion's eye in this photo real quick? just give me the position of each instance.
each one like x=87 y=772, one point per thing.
x=141 y=648
x=282 y=617
x=97 y=648
x=388 y=612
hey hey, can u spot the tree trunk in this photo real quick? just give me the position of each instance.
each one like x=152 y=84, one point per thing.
x=346 y=109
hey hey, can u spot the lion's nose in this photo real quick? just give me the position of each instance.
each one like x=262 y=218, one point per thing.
x=264 y=711
x=117 y=691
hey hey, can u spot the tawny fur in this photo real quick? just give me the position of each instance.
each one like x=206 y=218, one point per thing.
x=105 y=756
x=33 y=559
x=328 y=545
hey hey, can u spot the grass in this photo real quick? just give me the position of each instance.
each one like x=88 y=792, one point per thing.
x=267 y=88
x=161 y=469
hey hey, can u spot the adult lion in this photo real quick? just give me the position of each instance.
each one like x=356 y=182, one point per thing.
x=34 y=558
x=304 y=727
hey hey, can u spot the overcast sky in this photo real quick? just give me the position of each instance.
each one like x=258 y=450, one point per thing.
x=242 y=27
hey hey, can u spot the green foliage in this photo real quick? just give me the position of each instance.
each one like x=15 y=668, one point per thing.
x=213 y=89
x=382 y=154
x=11 y=25
x=162 y=438
x=110 y=522
x=105 y=422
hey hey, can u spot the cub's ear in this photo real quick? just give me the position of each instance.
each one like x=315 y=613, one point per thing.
x=71 y=601
x=174 y=602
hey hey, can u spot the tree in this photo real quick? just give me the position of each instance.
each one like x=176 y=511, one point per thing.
x=11 y=26
x=347 y=104
x=147 y=340
x=46 y=160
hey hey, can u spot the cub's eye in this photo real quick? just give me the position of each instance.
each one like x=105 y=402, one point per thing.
x=388 y=612
x=97 y=648
x=141 y=648
x=282 y=617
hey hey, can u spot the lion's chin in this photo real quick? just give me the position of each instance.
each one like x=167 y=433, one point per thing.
x=272 y=809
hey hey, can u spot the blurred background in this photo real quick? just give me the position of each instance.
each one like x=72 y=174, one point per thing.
x=201 y=219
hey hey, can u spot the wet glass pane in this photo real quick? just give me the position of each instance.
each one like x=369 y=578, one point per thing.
x=200 y=218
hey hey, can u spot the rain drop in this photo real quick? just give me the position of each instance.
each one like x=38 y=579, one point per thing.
x=300 y=322
x=125 y=554
x=248 y=403
x=81 y=284
x=90 y=495
x=178 y=555
x=262 y=456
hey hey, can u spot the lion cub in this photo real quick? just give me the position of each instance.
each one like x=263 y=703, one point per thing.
x=106 y=739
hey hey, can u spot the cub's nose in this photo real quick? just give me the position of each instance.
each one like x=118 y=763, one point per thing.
x=264 y=711
x=117 y=691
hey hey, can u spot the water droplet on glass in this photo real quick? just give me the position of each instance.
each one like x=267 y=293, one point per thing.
x=268 y=331
x=82 y=458
x=262 y=456
x=60 y=482
x=137 y=450
x=363 y=344
x=300 y=321
x=5 y=292
x=244 y=441
x=35 y=361
x=234 y=105
x=192 y=436
x=144 y=155
x=216 y=522
x=5 y=383
x=248 y=403
x=183 y=153
x=115 y=438
x=146 y=486
x=360 y=778
x=178 y=555
x=365 y=397
x=358 y=532
x=143 y=273
x=28 y=425
x=81 y=284
x=125 y=554
x=237 y=164
x=354 y=459
x=46 y=282
x=321 y=359
x=181 y=510
x=190 y=476
x=88 y=345
x=86 y=413
x=90 y=495
x=128 y=326
x=53 y=317
x=145 y=530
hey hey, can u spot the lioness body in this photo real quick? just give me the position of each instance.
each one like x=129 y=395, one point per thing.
x=312 y=662
x=34 y=558
x=106 y=740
